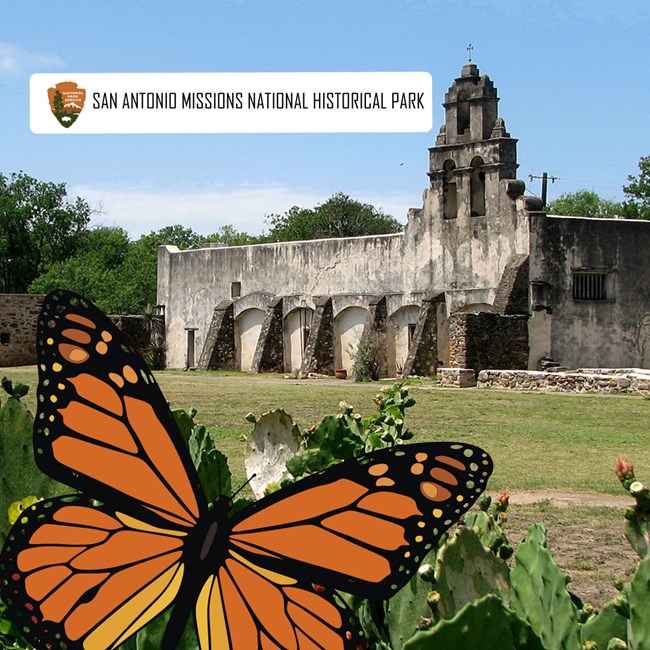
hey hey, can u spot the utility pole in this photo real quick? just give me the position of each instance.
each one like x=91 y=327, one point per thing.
x=545 y=178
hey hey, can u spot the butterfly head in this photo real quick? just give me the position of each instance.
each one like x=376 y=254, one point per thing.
x=221 y=504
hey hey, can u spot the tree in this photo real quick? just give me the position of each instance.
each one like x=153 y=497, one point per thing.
x=637 y=203
x=231 y=237
x=58 y=102
x=38 y=227
x=585 y=203
x=141 y=263
x=339 y=216
x=94 y=271
x=117 y=274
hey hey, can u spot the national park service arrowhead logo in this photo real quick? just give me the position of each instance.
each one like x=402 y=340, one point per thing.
x=66 y=102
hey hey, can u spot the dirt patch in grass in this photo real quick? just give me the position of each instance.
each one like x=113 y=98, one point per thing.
x=585 y=536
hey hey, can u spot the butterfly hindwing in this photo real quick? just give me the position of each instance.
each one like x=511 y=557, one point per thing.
x=245 y=606
x=103 y=426
x=79 y=575
x=364 y=526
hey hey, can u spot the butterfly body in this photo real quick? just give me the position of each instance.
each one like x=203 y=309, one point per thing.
x=86 y=572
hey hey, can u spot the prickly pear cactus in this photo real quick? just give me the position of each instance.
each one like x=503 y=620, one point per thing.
x=540 y=596
x=412 y=608
x=466 y=571
x=639 y=599
x=273 y=441
x=20 y=476
x=607 y=624
x=485 y=623
x=211 y=465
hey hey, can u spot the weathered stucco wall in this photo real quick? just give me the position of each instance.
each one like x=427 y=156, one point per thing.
x=457 y=256
x=456 y=245
x=612 y=331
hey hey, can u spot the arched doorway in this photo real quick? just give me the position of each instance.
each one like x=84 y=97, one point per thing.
x=248 y=326
x=348 y=328
x=297 y=326
x=401 y=330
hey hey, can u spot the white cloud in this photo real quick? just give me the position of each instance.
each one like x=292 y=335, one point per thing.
x=16 y=60
x=243 y=207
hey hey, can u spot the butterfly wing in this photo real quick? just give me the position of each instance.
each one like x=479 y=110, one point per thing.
x=362 y=526
x=79 y=575
x=103 y=426
x=365 y=525
x=246 y=606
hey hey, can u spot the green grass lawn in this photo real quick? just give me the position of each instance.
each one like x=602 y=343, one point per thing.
x=537 y=441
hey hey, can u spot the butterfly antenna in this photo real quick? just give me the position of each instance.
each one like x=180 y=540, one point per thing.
x=250 y=478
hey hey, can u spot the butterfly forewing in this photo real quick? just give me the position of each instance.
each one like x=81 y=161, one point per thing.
x=103 y=426
x=364 y=526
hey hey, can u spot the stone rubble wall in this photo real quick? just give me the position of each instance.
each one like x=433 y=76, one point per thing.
x=484 y=339
x=457 y=377
x=19 y=316
x=584 y=380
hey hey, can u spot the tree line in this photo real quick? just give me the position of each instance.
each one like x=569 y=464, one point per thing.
x=587 y=203
x=46 y=242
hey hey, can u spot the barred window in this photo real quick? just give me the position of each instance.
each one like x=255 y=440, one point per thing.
x=5 y=338
x=591 y=286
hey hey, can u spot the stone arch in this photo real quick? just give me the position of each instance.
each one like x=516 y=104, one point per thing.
x=449 y=190
x=475 y=307
x=248 y=326
x=462 y=113
x=477 y=187
x=297 y=326
x=401 y=329
x=348 y=328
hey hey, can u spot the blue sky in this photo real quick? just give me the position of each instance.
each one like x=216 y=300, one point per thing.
x=573 y=77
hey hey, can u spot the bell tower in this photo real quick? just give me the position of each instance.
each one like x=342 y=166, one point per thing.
x=473 y=150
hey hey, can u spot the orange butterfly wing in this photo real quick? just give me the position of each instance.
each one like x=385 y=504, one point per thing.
x=81 y=576
x=245 y=606
x=103 y=426
x=365 y=525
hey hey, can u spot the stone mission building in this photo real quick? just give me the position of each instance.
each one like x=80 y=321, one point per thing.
x=480 y=278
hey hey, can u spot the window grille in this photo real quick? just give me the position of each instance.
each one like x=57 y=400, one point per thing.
x=5 y=338
x=589 y=286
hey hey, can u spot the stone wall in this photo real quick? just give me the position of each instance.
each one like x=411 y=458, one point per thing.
x=136 y=329
x=605 y=381
x=481 y=340
x=18 y=318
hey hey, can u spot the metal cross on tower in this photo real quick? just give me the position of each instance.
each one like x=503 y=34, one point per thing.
x=470 y=47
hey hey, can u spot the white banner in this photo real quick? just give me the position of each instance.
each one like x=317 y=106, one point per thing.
x=265 y=102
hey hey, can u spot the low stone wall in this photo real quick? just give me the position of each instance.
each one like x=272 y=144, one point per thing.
x=625 y=380
x=457 y=377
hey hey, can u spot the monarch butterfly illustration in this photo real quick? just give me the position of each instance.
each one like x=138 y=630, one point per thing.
x=89 y=570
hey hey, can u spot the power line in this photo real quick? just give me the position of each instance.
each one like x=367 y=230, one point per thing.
x=545 y=178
